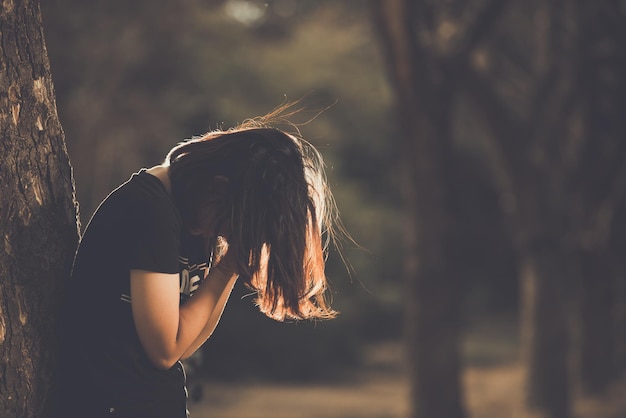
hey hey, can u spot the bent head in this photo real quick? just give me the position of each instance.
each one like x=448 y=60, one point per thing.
x=265 y=192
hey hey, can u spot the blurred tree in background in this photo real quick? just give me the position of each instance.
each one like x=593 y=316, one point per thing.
x=538 y=87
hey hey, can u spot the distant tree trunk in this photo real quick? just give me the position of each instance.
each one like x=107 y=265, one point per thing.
x=558 y=153
x=548 y=84
x=528 y=102
x=433 y=305
x=602 y=64
x=38 y=214
x=597 y=359
x=617 y=247
x=424 y=65
x=545 y=333
x=537 y=219
x=619 y=312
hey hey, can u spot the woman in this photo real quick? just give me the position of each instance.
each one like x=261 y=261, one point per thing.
x=162 y=253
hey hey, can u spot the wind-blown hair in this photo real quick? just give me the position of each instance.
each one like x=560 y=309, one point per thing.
x=268 y=190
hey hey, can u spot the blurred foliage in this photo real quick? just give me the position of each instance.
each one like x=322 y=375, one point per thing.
x=134 y=78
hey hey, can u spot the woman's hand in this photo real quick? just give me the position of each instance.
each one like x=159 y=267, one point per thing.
x=227 y=263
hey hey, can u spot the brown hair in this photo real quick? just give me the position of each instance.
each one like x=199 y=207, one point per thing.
x=268 y=190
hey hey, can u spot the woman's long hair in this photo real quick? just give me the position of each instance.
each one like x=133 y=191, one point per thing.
x=268 y=190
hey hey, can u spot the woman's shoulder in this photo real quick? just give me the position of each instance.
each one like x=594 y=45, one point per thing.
x=146 y=192
x=141 y=186
x=142 y=197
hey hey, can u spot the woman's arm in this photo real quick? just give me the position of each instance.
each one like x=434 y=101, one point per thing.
x=168 y=331
x=211 y=324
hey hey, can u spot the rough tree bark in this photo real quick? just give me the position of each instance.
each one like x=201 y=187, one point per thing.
x=38 y=214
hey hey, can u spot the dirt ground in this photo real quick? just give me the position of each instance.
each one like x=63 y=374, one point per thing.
x=380 y=390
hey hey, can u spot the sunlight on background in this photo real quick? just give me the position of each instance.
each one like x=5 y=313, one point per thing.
x=246 y=12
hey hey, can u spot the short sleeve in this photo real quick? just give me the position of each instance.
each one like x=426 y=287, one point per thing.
x=154 y=236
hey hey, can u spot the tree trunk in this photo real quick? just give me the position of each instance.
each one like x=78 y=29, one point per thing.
x=545 y=333
x=619 y=330
x=597 y=360
x=37 y=211
x=424 y=109
x=433 y=304
x=602 y=67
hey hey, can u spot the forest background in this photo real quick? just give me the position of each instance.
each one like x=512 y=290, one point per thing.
x=134 y=78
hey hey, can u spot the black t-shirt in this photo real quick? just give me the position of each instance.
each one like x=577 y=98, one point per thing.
x=104 y=364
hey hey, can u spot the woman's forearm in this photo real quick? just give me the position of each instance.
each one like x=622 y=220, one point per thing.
x=167 y=330
x=216 y=313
